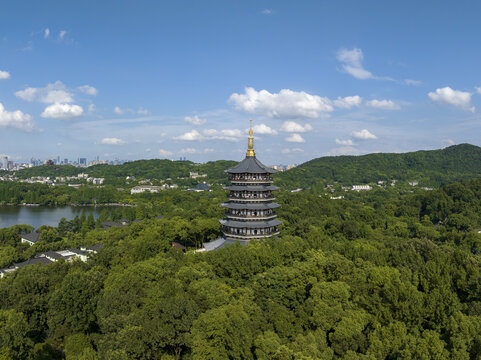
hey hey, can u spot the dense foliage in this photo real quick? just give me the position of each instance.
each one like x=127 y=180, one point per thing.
x=379 y=275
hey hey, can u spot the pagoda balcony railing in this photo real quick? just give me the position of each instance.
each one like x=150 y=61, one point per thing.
x=251 y=181
x=250 y=237
x=252 y=217
x=252 y=178
x=249 y=195
x=239 y=199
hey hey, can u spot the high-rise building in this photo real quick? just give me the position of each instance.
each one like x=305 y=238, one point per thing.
x=250 y=212
x=5 y=163
x=82 y=161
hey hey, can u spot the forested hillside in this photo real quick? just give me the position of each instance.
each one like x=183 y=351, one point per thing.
x=382 y=274
x=143 y=169
x=429 y=168
x=433 y=167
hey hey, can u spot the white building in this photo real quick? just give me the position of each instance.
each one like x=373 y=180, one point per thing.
x=361 y=187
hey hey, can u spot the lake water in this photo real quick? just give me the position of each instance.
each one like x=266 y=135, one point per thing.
x=38 y=216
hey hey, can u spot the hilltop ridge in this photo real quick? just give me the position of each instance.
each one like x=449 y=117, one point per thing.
x=432 y=167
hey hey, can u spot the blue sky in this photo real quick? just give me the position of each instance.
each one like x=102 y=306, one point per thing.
x=168 y=79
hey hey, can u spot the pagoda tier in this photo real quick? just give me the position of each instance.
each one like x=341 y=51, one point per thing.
x=250 y=211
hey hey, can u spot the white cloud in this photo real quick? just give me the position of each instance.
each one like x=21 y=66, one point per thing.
x=89 y=90
x=15 y=120
x=413 y=82
x=363 y=135
x=478 y=89
x=446 y=95
x=227 y=134
x=190 y=136
x=46 y=33
x=383 y=104
x=195 y=151
x=112 y=141
x=348 y=142
x=52 y=93
x=266 y=12
x=195 y=120
x=263 y=129
x=348 y=102
x=142 y=111
x=296 y=138
x=4 y=75
x=119 y=111
x=352 y=63
x=163 y=152
x=287 y=151
x=62 y=34
x=211 y=134
x=91 y=108
x=286 y=103
x=292 y=126
x=62 y=111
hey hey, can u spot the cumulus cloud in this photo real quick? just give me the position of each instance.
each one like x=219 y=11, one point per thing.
x=46 y=33
x=295 y=138
x=292 y=126
x=62 y=34
x=142 y=111
x=446 y=95
x=52 y=93
x=4 y=75
x=348 y=102
x=164 y=153
x=227 y=134
x=112 y=141
x=363 y=135
x=195 y=120
x=89 y=90
x=348 y=142
x=351 y=61
x=383 y=104
x=286 y=103
x=266 y=12
x=211 y=134
x=15 y=120
x=478 y=90
x=62 y=111
x=263 y=129
x=190 y=136
x=91 y=108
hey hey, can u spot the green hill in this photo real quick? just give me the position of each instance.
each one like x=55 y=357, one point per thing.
x=432 y=167
x=142 y=169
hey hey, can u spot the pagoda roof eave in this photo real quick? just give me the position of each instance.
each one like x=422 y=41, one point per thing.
x=250 y=165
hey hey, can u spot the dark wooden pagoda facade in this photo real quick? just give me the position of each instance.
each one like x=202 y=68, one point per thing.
x=250 y=212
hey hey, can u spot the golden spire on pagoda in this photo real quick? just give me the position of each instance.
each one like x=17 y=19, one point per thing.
x=250 y=143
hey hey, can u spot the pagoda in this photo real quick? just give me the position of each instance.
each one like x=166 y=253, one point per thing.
x=250 y=212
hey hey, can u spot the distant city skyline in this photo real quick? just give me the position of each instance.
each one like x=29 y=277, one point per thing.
x=149 y=79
